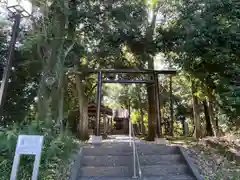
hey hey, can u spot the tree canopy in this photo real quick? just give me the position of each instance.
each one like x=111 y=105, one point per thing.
x=199 y=38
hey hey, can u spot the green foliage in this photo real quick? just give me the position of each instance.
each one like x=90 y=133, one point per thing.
x=23 y=83
x=135 y=117
x=202 y=41
x=21 y=92
x=3 y=44
x=56 y=152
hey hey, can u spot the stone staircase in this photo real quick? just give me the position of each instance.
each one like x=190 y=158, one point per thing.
x=114 y=161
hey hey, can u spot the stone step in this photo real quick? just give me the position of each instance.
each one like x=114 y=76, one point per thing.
x=166 y=169
x=140 y=145
x=125 y=171
x=107 y=171
x=160 y=159
x=169 y=177
x=157 y=149
x=125 y=143
x=127 y=160
x=126 y=150
x=161 y=146
x=106 y=161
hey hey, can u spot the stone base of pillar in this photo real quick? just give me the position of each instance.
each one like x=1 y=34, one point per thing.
x=161 y=141
x=96 y=140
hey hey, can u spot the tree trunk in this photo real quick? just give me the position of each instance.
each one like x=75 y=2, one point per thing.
x=209 y=130
x=61 y=109
x=211 y=112
x=171 y=107
x=141 y=112
x=48 y=105
x=142 y=121
x=196 y=113
x=83 y=110
x=104 y=124
x=151 y=108
x=43 y=103
x=237 y=124
x=168 y=126
x=150 y=89
x=183 y=127
x=108 y=125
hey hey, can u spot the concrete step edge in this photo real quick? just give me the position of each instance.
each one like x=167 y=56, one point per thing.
x=123 y=155
x=110 y=167
x=181 y=177
x=170 y=165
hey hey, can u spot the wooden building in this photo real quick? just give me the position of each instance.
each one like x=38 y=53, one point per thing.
x=105 y=119
x=121 y=119
x=111 y=121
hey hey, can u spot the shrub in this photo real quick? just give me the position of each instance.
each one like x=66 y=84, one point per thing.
x=57 y=149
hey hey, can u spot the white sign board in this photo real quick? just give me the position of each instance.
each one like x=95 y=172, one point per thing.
x=27 y=145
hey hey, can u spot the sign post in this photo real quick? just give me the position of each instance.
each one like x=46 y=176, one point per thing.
x=27 y=145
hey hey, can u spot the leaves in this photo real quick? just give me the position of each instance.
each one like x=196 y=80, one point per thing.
x=204 y=38
x=56 y=151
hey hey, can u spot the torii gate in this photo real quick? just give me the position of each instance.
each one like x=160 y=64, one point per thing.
x=153 y=80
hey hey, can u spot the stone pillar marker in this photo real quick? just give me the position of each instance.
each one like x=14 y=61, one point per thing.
x=27 y=145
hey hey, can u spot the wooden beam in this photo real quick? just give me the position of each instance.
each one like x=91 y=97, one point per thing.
x=128 y=81
x=119 y=71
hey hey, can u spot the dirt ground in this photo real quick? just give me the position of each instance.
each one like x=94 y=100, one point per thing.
x=212 y=161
